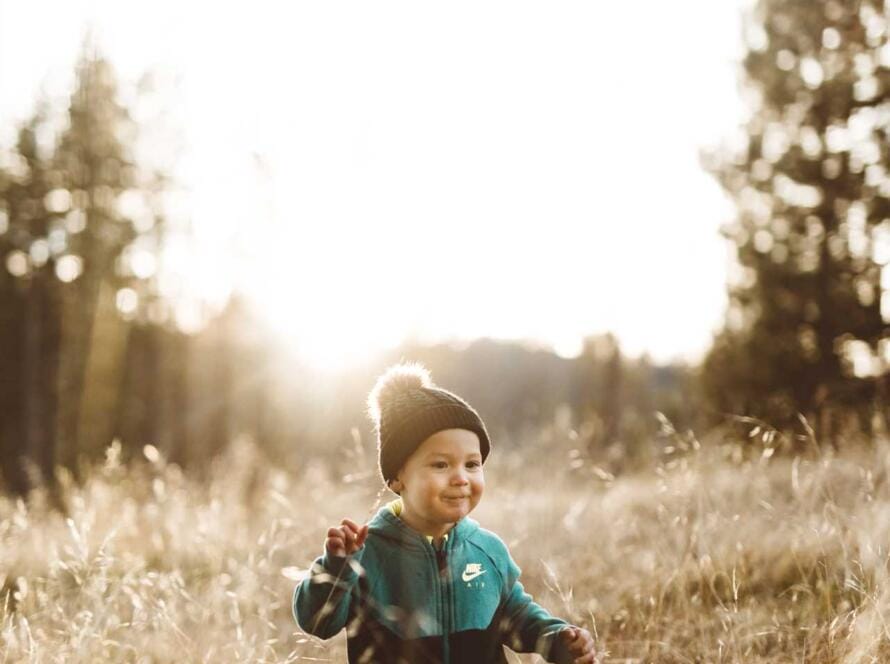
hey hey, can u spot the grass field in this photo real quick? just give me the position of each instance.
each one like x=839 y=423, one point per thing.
x=714 y=556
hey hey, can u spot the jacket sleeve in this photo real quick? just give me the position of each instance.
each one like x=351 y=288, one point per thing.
x=321 y=602
x=529 y=627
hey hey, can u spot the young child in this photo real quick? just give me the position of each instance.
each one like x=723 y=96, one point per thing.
x=422 y=582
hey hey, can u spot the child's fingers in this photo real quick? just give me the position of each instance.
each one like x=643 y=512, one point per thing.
x=359 y=533
x=336 y=542
x=346 y=539
x=585 y=648
x=348 y=536
x=335 y=546
x=581 y=645
x=595 y=656
x=569 y=634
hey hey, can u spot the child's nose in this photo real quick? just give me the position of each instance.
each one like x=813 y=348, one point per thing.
x=460 y=477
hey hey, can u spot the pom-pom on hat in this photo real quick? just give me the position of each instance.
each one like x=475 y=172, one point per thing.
x=407 y=408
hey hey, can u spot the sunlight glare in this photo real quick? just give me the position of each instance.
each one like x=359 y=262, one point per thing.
x=358 y=214
x=329 y=338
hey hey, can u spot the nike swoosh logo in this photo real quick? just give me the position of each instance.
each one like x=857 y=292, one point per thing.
x=472 y=575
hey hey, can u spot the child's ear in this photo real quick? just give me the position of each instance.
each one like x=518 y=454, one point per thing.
x=396 y=485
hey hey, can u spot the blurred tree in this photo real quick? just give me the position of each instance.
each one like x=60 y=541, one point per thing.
x=600 y=378
x=31 y=310
x=810 y=180
x=78 y=215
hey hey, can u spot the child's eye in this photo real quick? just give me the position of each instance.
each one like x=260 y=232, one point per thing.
x=439 y=464
x=474 y=464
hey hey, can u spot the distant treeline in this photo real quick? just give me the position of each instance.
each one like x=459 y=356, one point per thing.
x=90 y=351
x=189 y=395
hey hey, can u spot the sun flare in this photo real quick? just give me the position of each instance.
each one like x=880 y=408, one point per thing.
x=326 y=331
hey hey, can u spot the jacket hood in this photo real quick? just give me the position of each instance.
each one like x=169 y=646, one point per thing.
x=387 y=525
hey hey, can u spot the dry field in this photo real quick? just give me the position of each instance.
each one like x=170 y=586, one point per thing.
x=705 y=558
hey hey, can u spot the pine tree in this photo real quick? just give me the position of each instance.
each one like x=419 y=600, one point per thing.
x=805 y=329
x=74 y=203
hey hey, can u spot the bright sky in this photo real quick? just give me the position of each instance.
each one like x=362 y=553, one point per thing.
x=440 y=170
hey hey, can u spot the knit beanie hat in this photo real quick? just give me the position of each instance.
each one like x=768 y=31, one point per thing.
x=407 y=408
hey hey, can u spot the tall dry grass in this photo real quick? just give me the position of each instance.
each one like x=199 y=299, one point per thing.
x=708 y=557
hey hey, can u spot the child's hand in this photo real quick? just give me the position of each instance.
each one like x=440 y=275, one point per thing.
x=581 y=645
x=346 y=539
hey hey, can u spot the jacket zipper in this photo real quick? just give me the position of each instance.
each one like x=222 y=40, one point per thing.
x=444 y=580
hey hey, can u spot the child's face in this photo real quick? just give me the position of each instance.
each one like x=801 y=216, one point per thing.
x=442 y=481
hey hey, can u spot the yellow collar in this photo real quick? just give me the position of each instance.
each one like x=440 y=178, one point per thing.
x=396 y=508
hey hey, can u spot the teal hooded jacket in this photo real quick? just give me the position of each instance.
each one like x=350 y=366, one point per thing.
x=403 y=600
